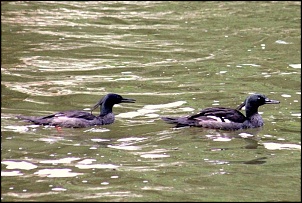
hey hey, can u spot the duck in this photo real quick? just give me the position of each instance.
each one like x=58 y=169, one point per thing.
x=224 y=118
x=82 y=119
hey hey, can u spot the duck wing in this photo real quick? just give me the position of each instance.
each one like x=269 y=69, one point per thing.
x=212 y=117
x=221 y=114
x=72 y=114
x=64 y=115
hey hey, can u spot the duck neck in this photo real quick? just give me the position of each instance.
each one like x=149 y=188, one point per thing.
x=253 y=117
x=251 y=111
x=105 y=109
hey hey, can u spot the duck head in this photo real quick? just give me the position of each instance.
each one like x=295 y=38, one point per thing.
x=257 y=100
x=111 y=99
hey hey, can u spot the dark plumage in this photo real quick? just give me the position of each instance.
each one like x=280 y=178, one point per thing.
x=82 y=119
x=226 y=118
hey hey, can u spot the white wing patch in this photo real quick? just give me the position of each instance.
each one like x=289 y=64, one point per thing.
x=219 y=119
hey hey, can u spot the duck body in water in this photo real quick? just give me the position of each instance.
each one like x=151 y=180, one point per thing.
x=82 y=119
x=226 y=118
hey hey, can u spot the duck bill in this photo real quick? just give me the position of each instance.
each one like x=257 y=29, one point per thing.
x=269 y=101
x=125 y=100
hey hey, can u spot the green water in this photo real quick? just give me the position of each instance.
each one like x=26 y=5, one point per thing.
x=174 y=58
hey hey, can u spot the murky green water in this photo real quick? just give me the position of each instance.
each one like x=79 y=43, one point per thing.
x=174 y=58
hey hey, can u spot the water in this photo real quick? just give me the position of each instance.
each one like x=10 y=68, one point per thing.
x=174 y=58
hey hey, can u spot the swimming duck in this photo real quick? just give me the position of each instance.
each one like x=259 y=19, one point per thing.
x=82 y=119
x=227 y=118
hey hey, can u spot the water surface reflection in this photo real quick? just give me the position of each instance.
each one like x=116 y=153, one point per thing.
x=174 y=58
